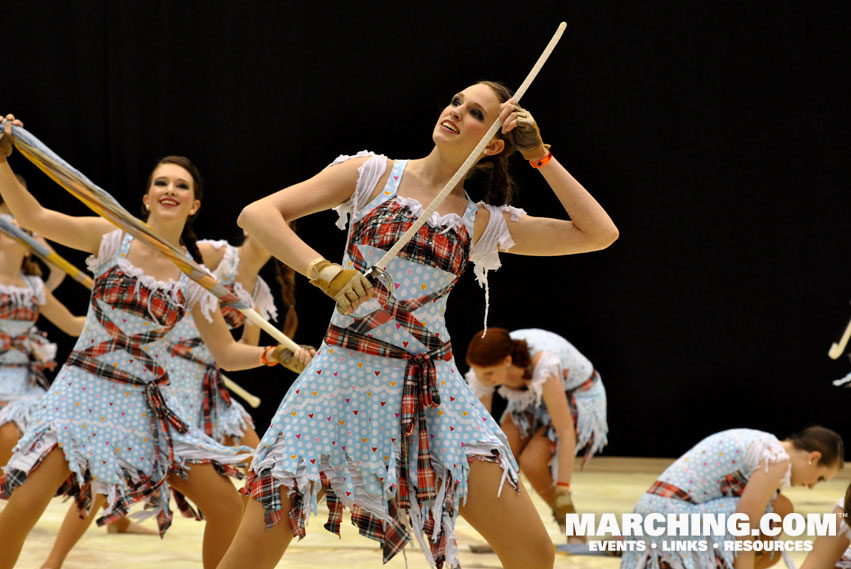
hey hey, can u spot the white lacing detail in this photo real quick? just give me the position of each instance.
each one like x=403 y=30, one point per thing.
x=368 y=175
x=264 y=302
x=109 y=245
x=228 y=267
x=548 y=365
x=767 y=450
x=495 y=238
x=448 y=222
x=23 y=295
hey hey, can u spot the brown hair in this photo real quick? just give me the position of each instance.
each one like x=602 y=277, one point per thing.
x=494 y=168
x=494 y=346
x=187 y=237
x=825 y=441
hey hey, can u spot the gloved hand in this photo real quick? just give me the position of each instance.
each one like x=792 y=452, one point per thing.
x=562 y=505
x=527 y=136
x=348 y=287
x=293 y=361
x=6 y=138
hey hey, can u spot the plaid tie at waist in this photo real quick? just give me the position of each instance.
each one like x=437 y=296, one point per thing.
x=419 y=391
x=212 y=383
x=161 y=415
x=666 y=490
x=36 y=369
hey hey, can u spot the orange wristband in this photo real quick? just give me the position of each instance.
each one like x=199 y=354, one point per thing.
x=541 y=161
x=264 y=359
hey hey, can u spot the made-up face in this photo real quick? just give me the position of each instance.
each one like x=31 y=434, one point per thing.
x=171 y=193
x=467 y=118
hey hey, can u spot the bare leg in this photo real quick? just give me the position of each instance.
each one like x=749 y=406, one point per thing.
x=73 y=528
x=220 y=503
x=27 y=503
x=254 y=546
x=534 y=462
x=521 y=544
x=8 y=439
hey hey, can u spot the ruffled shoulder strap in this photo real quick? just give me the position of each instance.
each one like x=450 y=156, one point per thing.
x=264 y=302
x=369 y=174
x=495 y=238
x=195 y=293
x=764 y=451
x=37 y=286
x=110 y=243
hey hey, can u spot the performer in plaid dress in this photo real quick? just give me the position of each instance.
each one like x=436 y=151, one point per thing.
x=106 y=421
x=739 y=470
x=556 y=404
x=25 y=353
x=382 y=420
x=195 y=379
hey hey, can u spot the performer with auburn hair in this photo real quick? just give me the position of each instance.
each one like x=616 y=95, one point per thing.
x=556 y=404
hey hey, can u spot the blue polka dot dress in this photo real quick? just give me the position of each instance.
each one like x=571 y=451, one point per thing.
x=24 y=351
x=585 y=392
x=709 y=478
x=381 y=417
x=120 y=432
x=195 y=379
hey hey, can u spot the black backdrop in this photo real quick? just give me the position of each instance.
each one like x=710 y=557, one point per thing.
x=715 y=134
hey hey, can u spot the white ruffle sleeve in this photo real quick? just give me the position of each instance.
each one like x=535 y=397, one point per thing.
x=368 y=175
x=765 y=451
x=478 y=388
x=495 y=238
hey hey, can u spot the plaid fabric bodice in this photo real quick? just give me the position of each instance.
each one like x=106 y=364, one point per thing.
x=17 y=317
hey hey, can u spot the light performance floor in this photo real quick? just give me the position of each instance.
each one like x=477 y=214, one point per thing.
x=607 y=485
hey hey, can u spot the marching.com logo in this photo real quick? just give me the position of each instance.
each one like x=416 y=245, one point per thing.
x=694 y=532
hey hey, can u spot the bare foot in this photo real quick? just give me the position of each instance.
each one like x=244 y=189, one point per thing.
x=127 y=526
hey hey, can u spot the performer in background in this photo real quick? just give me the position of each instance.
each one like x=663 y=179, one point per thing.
x=25 y=353
x=105 y=421
x=556 y=405
x=734 y=471
x=381 y=420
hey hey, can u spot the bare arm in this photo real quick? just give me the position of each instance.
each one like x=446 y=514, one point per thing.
x=758 y=491
x=266 y=219
x=229 y=354
x=556 y=401
x=83 y=233
x=61 y=317
x=827 y=550
x=590 y=228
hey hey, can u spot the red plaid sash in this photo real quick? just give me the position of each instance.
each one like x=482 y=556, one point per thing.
x=118 y=290
x=733 y=484
x=212 y=383
x=666 y=490
x=419 y=391
x=234 y=318
x=28 y=312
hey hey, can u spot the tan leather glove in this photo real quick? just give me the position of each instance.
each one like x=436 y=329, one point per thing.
x=345 y=286
x=563 y=505
x=287 y=359
x=6 y=139
x=527 y=135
